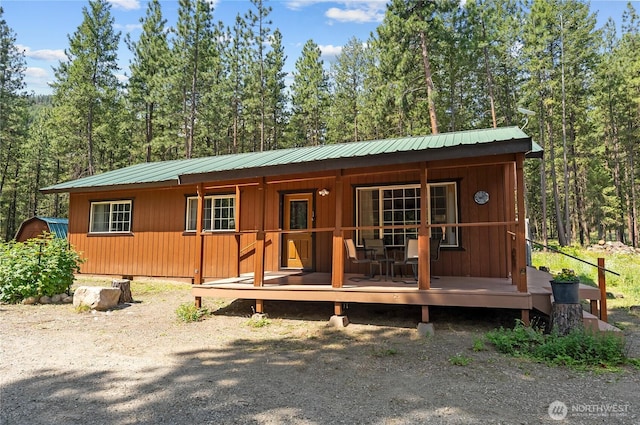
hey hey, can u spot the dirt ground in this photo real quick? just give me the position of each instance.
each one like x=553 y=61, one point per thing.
x=139 y=365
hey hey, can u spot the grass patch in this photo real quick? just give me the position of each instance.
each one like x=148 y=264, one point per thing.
x=460 y=360
x=188 y=312
x=479 y=345
x=628 y=266
x=258 y=322
x=578 y=349
x=384 y=352
x=82 y=308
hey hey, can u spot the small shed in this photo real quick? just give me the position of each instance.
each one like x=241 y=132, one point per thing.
x=36 y=226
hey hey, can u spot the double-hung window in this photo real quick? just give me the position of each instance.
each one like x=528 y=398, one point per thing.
x=400 y=206
x=110 y=217
x=219 y=213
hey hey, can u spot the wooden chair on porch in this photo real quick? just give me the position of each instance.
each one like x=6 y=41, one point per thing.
x=352 y=255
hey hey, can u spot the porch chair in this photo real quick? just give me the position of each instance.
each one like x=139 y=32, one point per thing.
x=434 y=249
x=410 y=258
x=379 y=255
x=411 y=255
x=352 y=255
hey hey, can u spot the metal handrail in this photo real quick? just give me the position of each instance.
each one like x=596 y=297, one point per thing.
x=574 y=257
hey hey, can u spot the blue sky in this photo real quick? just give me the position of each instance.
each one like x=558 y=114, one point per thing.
x=42 y=26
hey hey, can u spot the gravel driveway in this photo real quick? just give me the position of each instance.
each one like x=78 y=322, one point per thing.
x=138 y=365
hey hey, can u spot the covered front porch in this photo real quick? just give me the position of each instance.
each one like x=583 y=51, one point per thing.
x=457 y=291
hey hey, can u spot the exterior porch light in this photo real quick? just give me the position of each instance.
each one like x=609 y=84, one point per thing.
x=323 y=192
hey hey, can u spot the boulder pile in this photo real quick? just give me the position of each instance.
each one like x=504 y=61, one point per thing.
x=610 y=247
x=55 y=299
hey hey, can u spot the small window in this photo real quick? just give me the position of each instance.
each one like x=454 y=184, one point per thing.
x=110 y=217
x=219 y=213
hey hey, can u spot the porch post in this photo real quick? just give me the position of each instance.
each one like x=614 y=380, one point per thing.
x=258 y=269
x=424 y=263
x=337 y=259
x=521 y=256
x=197 y=279
x=236 y=218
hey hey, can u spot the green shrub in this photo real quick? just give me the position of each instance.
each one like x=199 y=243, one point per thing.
x=580 y=348
x=188 y=312
x=36 y=267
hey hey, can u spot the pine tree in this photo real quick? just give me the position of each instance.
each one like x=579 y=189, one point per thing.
x=348 y=74
x=275 y=95
x=86 y=91
x=147 y=84
x=309 y=97
x=13 y=126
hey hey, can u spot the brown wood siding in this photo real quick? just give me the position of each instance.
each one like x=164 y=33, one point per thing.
x=158 y=245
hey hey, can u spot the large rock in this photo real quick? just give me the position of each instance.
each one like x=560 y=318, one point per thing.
x=96 y=297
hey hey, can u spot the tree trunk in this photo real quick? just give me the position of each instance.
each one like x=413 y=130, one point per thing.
x=429 y=81
x=125 y=290
x=566 y=317
x=562 y=240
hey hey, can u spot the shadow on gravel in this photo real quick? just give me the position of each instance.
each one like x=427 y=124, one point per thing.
x=399 y=316
x=332 y=378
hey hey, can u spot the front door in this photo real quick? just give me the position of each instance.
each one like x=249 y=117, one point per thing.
x=298 y=246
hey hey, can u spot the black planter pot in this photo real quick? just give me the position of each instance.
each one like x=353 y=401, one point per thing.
x=566 y=293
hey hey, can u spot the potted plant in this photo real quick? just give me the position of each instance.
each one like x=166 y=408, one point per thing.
x=565 y=287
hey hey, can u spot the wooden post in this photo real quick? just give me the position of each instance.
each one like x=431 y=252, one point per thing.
x=337 y=259
x=424 y=255
x=521 y=242
x=259 y=306
x=258 y=265
x=237 y=230
x=125 y=290
x=602 y=284
x=338 y=309
x=197 y=279
x=425 y=314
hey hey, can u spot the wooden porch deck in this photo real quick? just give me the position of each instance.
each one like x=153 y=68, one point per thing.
x=445 y=290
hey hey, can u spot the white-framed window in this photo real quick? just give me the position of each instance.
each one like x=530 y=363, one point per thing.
x=219 y=213
x=400 y=205
x=110 y=217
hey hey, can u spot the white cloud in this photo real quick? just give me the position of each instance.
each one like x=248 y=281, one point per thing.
x=122 y=78
x=36 y=73
x=125 y=4
x=357 y=11
x=37 y=80
x=43 y=54
x=128 y=27
x=330 y=51
x=354 y=15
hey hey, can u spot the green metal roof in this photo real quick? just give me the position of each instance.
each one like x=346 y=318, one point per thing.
x=307 y=159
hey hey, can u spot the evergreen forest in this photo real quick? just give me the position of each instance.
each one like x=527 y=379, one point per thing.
x=200 y=87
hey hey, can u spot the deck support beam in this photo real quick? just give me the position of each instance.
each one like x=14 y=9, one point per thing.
x=425 y=314
x=524 y=316
x=259 y=306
